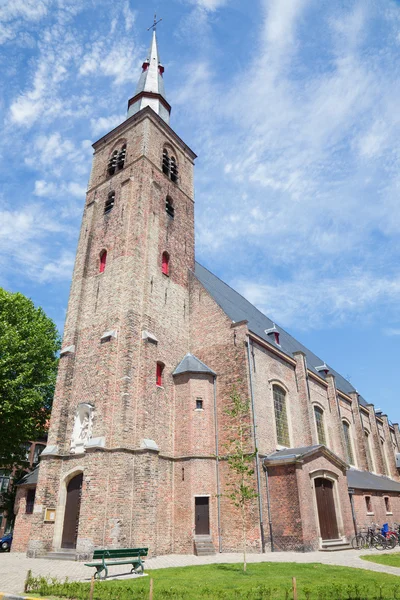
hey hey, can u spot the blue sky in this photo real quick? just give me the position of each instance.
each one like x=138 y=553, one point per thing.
x=293 y=109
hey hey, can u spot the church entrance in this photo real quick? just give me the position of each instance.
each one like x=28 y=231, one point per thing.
x=72 y=509
x=326 y=509
x=202 y=516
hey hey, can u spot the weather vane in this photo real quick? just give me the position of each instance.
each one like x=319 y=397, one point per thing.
x=154 y=26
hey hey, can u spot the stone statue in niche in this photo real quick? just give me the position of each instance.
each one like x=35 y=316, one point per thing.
x=82 y=431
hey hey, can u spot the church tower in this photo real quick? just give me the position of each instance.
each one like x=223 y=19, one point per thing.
x=106 y=476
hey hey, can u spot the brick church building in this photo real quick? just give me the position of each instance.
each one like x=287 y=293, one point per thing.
x=153 y=345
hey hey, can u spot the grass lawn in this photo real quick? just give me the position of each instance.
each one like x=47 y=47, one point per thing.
x=391 y=560
x=262 y=581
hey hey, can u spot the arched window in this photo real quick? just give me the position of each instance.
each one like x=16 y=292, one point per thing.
x=384 y=457
x=121 y=158
x=112 y=163
x=109 y=205
x=169 y=207
x=319 y=422
x=165 y=162
x=370 y=463
x=170 y=166
x=103 y=260
x=165 y=263
x=348 y=445
x=159 y=374
x=281 y=421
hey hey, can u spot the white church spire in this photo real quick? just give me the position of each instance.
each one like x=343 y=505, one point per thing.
x=150 y=89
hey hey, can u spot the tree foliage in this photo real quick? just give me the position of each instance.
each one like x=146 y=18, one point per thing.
x=29 y=343
x=240 y=458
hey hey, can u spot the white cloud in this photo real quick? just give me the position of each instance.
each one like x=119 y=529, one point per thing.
x=308 y=302
x=51 y=189
x=102 y=125
x=60 y=269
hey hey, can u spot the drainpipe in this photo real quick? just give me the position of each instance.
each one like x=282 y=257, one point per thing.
x=260 y=510
x=271 y=533
x=217 y=466
x=353 y=514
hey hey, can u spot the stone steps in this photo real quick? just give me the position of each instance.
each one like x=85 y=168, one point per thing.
x=335 y=545
x=62 y=555
x=203 y=545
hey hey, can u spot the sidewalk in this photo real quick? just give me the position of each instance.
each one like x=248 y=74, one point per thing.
x=14 y=566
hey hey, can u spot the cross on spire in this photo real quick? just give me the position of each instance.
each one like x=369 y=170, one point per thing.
x=155 y=23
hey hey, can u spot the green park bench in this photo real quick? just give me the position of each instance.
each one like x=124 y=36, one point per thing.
x=117 y=556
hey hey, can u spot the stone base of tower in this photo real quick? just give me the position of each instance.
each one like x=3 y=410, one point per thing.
x=127 y=498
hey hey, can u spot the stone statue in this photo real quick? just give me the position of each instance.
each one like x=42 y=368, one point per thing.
x=82 y=431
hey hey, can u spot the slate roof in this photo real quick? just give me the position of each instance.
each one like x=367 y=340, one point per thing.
x=364 y=480
x=238 y=309
x=30 y=478
x=298 y=452
x=191 y=364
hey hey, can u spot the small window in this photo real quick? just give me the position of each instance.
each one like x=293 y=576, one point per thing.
x=281 y=421
x=37 y=452
x=319 y=422
x=121 y=158
x=159 y=374
x=103 y=260
x=174 y=170
x=368 y=504
x=199 y=404
x=112 y=163
x=169 y=207
x=387 y=504
x=165 y=263
x=348 y=446
x=109 y=205
x=165 y=162
x=4 y=480
x=30 y=501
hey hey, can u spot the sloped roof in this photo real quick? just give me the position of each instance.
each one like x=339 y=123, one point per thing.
x=151 y=79
x=298 y=452
x=30 y=478
x=238 y=309
x=191 y=364
x=364 y=480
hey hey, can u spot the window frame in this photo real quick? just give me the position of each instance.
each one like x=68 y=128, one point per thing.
x=368 y=504
x=319 y=409
x=29 y=505
x=102 y=261
x=165 y=263
x=368 y=451
x=350 y=456
x=160 y=374
x=282 y=437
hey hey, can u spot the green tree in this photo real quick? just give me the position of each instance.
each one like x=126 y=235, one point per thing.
x=29 y=343
x=240 y=458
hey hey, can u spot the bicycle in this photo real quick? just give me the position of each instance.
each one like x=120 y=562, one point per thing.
x=368 y=539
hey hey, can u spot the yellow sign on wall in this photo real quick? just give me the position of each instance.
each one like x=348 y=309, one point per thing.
x=50 y=515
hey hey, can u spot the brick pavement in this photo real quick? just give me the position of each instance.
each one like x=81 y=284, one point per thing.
x=14 y=566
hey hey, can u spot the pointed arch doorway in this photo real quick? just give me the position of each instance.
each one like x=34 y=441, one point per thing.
x=72 y=510
x=326 y=508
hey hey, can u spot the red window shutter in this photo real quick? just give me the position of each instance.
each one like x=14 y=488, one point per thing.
x=165 y=263
x=159 y=374
x=103 y=260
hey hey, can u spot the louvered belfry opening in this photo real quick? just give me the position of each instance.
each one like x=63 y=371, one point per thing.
x=166 y=162
x=174 y=170
x=121 y=158
x=109 y=205
x=112 y=163
x=169 y=207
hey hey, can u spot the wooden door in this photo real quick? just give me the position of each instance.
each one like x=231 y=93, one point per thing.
x=326 y=509
x=72 y=509
x=202 y=516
